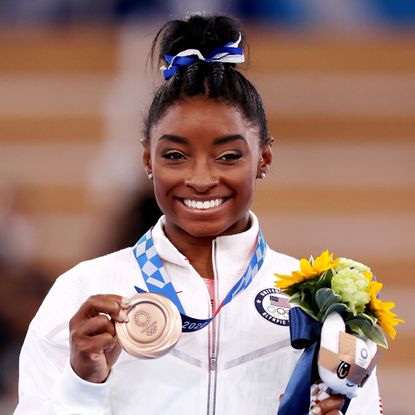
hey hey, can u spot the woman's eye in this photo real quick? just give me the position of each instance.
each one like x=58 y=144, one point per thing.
x=232 y=155
x=173 y=155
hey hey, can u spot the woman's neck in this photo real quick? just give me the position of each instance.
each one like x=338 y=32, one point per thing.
x=197 y=250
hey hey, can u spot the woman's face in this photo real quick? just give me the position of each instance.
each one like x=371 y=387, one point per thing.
x=205 y=158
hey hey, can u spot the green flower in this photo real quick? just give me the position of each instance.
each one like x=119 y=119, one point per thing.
x=349 y=263
x=353 y=288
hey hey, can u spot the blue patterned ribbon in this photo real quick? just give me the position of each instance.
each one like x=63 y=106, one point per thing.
x=157 y=280
x=230 y=53
x=305 y=334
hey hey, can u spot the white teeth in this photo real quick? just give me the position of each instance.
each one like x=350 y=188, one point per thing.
x=207 y=204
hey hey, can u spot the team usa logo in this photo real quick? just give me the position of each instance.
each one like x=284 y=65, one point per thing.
x=273 y=306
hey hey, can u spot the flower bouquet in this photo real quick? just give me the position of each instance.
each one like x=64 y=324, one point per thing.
x=339 y=319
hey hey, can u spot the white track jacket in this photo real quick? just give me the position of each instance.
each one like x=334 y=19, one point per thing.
x=240 y=369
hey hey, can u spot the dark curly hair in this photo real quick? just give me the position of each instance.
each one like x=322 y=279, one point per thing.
x=217 y=81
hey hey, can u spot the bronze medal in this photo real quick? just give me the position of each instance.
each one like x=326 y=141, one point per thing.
x=153 y=328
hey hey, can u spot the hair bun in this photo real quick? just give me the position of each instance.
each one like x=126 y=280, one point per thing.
x=203 y=32
x=207 y=73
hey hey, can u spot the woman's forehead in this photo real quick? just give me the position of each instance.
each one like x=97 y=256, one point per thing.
x=203 y=118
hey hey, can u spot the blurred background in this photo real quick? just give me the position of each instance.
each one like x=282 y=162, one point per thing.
x=338 y=81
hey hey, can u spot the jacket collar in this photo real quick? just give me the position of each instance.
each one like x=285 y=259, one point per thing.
x=236 y=249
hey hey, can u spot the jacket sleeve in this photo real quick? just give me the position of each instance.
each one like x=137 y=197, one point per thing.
x=368 y=401
x=47 y=383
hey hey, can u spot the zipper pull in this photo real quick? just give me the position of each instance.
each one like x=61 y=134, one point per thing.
x=213 y=361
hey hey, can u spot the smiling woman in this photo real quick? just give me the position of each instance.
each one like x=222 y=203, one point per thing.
x=204 y=172
x=207 y=315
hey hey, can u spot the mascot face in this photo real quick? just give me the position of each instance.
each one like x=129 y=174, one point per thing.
x=345 y=361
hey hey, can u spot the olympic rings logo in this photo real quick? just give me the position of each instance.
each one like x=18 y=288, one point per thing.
x=281 y=312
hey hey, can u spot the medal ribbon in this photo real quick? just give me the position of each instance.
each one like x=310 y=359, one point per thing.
x=157 y=280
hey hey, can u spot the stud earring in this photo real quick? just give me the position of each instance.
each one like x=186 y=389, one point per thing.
x=150 y=175
x=262 y=175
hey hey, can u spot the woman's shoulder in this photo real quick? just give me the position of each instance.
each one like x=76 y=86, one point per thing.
x=105 y=263
x=109 y=274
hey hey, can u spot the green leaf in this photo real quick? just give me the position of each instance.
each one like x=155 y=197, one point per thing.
x=304 y=302
x=358 y=319
x=363 y=326
x=295 y=300
x=309 y=312
x=372 y=319
x=294 y=297
x=336 y=307
x=290 y=290
x=304 y=305
x=325 y=280
x=355 y=328
x=376 y=335
x=306 y=299
x=325 y=297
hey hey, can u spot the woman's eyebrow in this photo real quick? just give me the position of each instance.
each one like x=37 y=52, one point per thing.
x=227 y=138
x=175 y=138
x=218 y=140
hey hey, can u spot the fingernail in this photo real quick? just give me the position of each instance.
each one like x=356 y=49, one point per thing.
x=316 y=410
x=125 y=301
x=123 y=315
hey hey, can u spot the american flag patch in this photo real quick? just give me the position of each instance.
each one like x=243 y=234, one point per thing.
x=278 y=301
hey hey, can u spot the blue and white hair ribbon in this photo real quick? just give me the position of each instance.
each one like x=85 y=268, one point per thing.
x=230 y=53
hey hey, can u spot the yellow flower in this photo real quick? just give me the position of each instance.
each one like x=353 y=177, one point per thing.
x=308 y=270
x=382 y=310
x=368 y=275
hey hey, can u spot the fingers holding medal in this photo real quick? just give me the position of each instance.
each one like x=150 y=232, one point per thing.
x=93 y=341
x=147 y=325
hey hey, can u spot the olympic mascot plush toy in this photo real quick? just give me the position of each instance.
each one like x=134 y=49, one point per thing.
x=329 y=295
x=345 y=361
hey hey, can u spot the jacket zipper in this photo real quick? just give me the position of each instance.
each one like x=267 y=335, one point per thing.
x=213 y=347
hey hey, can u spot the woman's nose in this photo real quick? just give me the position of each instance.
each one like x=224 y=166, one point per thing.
x=201 y=181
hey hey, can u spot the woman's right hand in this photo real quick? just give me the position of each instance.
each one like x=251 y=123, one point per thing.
x=94 y=346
